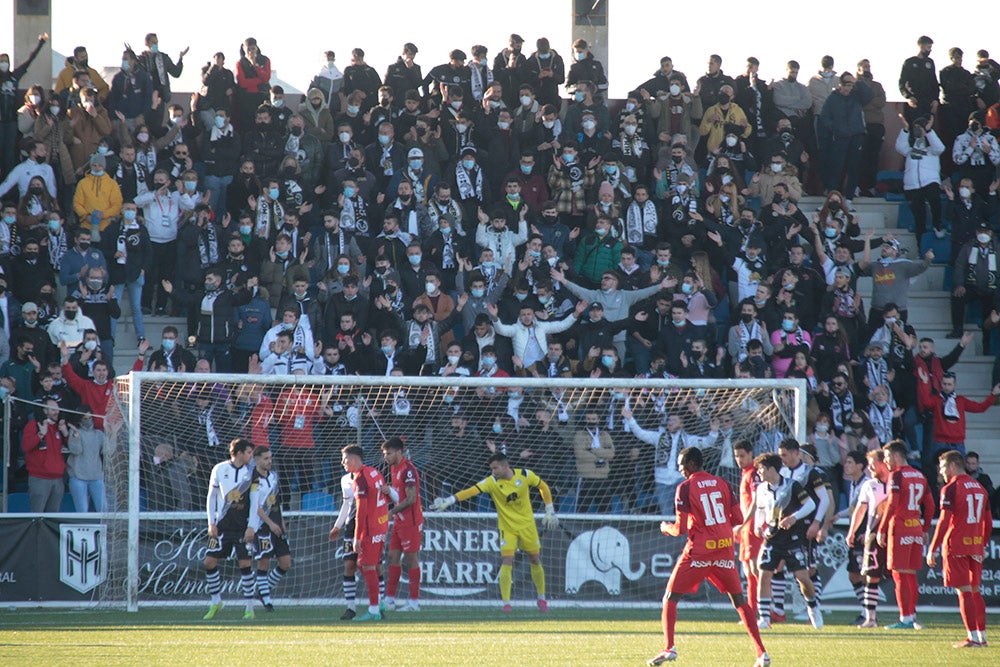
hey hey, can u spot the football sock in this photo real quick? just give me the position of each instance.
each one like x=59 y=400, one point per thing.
x=778 y=585
x=859 y=592
x=381 y=586
x=277 y=574
x=911 y=594
x=980 y=615
x=414 y=574
x=764 y=609
x=506 y=580
x=669 y=617
x=817 y=585
x=247 y=584
x=901 y=602
x=746 y=612
x=213 y=584
x=967 y=608
x=395 y=571
x=752 y=584
x=811 y=602
x=871 y=601
x=350 y=590
x=264 y=586
x=372 y=585
x=538 y=576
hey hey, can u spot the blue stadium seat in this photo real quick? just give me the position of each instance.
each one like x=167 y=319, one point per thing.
x=941 y=247
x=318 y=502
x=18 y=502
x=906 y=220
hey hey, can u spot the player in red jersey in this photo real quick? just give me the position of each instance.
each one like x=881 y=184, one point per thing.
x=750 y=541
x=371 y=523
x=903 y=531
x=707 y=512
x=963 y=530
x=407 y=525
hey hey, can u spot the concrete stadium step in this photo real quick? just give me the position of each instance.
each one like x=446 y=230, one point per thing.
x=931 y=280
x=873 y=213
x=974 y=372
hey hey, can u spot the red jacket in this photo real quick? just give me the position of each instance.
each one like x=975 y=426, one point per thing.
x=92 y=394
x=45 y=463
x=950 y=431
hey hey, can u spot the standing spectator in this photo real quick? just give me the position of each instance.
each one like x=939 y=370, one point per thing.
x=90 y=123
x=949 y=410
x=162 y=209
x=922 y=149
x=9 y=80
x=710 y=85
x=791 y=97
x=361 y=77
x=217 y=87
x=508 y=69
x=253 y=76
x=32 y=168
x=98 y=303
x=892 y=276
x=874 y=129
x=43 y=441
x=88 y=448
x=840 y=133
x=545 y=72
x=220 y=150
x=958 y=88
x=127 y=243
x=404 y=75
x=23 y=366
x=586 y=67
x=722 y=118
x=918 y=82
x=170 y=356
x=594 y=449
x=975 y=277
x=160 y=66
x=977 y=153
x=131 y=91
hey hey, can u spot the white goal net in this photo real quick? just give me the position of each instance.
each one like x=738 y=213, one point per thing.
x=608 y=549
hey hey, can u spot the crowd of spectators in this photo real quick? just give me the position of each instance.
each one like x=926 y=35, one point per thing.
x=474 y=222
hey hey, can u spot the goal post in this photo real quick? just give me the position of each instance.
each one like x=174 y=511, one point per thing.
x=179 y=426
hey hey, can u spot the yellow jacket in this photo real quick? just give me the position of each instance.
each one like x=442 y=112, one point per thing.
x=65 y=80
x=713 y=124
x=95 y=193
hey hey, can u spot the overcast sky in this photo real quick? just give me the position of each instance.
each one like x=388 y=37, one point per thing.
x=640 y=32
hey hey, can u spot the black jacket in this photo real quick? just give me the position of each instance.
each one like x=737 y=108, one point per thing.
x=215 y=326
x=138 y=252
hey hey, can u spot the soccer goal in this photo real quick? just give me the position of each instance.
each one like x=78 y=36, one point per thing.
x=608 y=549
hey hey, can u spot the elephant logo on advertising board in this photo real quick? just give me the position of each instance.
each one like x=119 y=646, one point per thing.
x=601 y=555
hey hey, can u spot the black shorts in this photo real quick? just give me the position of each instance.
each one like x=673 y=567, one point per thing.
x=795 y=557
x=348 y=537
x=855 y=558
x=811 y=548
x=269 y=545
x=226 y=545
x=874 y=560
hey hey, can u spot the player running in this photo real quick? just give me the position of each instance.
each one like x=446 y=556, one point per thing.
x=407 y=526
x=750 y=541
x=269 y=526
x=508 y=487
x=869 y=507
x=784 y=508
x=903 y=532
x=707 y=512
x=371 y=518
x=228 y=508
x=963 y=530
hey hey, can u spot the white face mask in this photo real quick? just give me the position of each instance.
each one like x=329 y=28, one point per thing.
x=964 y=193
x=675 y=90
x=983 y=238
x=453 y=359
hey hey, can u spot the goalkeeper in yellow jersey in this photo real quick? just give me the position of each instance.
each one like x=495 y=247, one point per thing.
x=508 y=487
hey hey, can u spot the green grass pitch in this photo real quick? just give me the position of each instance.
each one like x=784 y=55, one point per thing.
x=314 y=636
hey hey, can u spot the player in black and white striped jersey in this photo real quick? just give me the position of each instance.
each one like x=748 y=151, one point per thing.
x=268 y=525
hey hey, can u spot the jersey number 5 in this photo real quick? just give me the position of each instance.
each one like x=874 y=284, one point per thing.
x=916 y=491
x=975 y=513
x=715 y=513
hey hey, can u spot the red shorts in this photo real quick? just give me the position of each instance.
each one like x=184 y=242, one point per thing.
x=406 y=537
x=720 y=571
x=962 y=571
x=906 y=552
x=750 y=544
x=370 y=549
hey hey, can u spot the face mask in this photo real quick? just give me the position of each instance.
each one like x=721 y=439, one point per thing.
x=456 y=104
x=630 y=130
x=746 y=318
x=330 y=64
x=54 y=226
x=503 y=125
x=788 y=325
x=608 y=360
x=453 y=359
x=416 y=164
x=730 y=141
x=609 y=169
x=983 y=238
x=521 y=296
x=281 y=254
x=129 y=215
x=4 y=393
x=497 y=428
x=353 y=110
x=789 y=286
x=589 y=125
x=723 y=98
x=724 y=199
x=678 y=323
x=581 y=55
x=4 y=66
x=461 y=127
x=287 y=326
x=84 y=246
x=677 y=159
x=663 y=262
x=384 y=139
x=90 y=345
x=686 y=288
x=69 y=314
x=348 y=192
x=343 y=269
x=103 y=150
x=675 y=90
x=126 y=65
x=526 y=169
x=681 y=189
x=478 y=292
x=387 y=350
x=822 y=428
x=889 y=321
x=95 y=285
x=97 y=173
x=548 y=124
x=143 y=137
x=489 y=362
x=245 y=230
x=776 y=168
x=414 y=260
x=54 y=110
x=468 y=164
x=630 y=107
x=569 y=158
x=727 y=179
x=525 y=100
x=273 y=193
x=168 y=344
x=600 y=231
x=430 y=287
x=830 y=232
x=578 y=96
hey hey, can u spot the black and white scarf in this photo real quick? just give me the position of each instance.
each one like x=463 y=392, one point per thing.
x=354 y=215
x=226 y=131
x=988 y=253
x=793 y=338
x=881 y=419
x=208 y=246
x=334 y=241
x=470 y=186
x=268 y=213
x=205 y=420
x=482 y=78
x=747 y=334
x=949 y=407
x=877 y=372
x=450 y=212
x=842 y=408
x=57 y=248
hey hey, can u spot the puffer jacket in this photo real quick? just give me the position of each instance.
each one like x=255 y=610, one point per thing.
x=923 y=164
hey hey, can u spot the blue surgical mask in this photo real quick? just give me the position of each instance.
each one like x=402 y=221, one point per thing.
x=414 y=260
x=610 y=168
x=387 y=350
x=489 y=362
x=10 y=219
x=521 y=296
x=220 y=122
x=4 y=393
x=384 y=139
x=526 y=169
x=788 y=325
x=168 y=344
x=578 y=96
x=468 y=164
x=343 y=269
x=416 y=164
x=478 y=292
x=190 y=186
x=497 y=428
x=282 y=254
x=349 y=192
x=446 y=231
x=103 y=150
x=126 y=65
x=54 y=226
x=830 y=232
x=678 y=323
x=273 y=193
x=246 y=230
x=535 y=253
x=569 y=158
x=97 y=172
x=353 y=109
x=686 y=288
x=600 y=231
x=129 y=215
x=663 y=262
x=608 y=360
x=287 y=326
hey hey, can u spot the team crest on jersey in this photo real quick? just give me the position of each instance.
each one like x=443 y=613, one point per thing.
x=83 y=552
x=234 y=496
x=517 y=482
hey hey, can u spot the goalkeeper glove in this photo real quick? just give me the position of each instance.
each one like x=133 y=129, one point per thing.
x=550 y=520
x=443 y=503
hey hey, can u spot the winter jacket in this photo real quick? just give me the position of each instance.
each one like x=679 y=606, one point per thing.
x=715 y=120
x=70 y=331
x=595 y=255
x=592 y=462
x=253 y=319
x=131 y=95
x=97 y=193
x=923 y=164
x=216 y=312
x=521 y=335
x=843 y=115
x=137 y=248
x=74 y=261
x=45 y=463
x=87 y=448
x=89 y=130
x=222 y=156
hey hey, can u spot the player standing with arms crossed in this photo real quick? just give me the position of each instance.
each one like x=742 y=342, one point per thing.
x=509 y=489
x=870 y=506
x=902 y=531
x=268 y=524
x=962 y=532
x=228 y=508
x=407 y=526
x=371 y=523
x=707 y=512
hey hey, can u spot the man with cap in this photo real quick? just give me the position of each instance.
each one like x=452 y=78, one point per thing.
x=892 y=275
x=452 y=74
x=975 y=275
x=28 y=329
x=98 y=197
x=417 y=175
